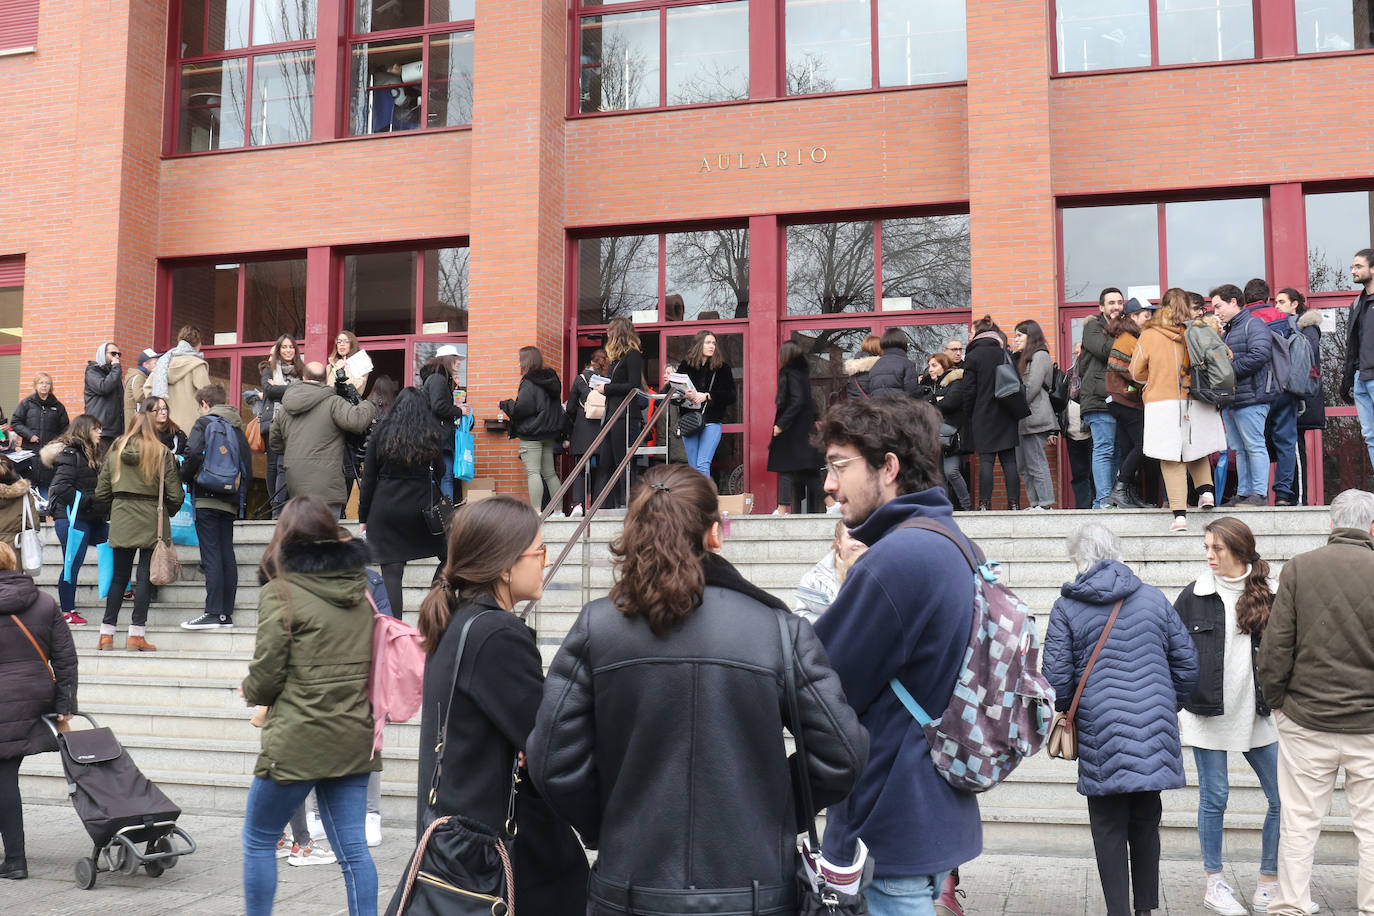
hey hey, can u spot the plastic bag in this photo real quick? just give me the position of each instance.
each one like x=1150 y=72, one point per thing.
x=104 y=556
x=183 y=525
x=464 y=449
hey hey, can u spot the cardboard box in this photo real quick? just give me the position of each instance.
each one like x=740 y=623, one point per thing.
x=740 y=504
x=479 y=488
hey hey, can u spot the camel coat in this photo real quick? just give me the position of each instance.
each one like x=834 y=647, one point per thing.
x=1177 y=428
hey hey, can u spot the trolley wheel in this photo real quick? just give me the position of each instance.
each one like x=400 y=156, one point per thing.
x=85 y=874
x=154 y=869
x=164 y=844
x=128 y=857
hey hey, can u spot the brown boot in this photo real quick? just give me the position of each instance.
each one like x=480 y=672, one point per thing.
x=139 y=644
x=106 y=642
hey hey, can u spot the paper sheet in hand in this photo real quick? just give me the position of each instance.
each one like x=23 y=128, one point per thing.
x=843 y=878
x=358 y=364
x=18 y=455
x=598 y=380
x=681 y=380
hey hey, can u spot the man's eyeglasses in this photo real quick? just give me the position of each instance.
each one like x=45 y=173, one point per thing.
x=834 y=467
x=115 y=353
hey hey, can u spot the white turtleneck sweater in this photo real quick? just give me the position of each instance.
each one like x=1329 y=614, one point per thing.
x=1239 y=727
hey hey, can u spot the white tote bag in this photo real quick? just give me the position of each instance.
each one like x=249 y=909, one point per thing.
x=29 y=540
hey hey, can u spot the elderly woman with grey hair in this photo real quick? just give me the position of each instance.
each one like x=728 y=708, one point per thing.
x=1127 y=719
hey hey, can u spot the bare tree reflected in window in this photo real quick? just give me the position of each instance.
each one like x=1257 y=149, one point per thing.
x=446 y=289
x=807 y=74
x=826 y=350
x=620 y=62
x=927 y=259
x=714 y=82
x=616 y=276
x=710 y=270
x=829 y=268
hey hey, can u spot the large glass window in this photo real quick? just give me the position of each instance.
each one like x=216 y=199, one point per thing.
x=403 y=293
x=832 y=267
x=1109 y=246
x=12 y=388
x=230 y=98
x=1338 y=225
x=1115 y=34
x=830 y=44
x=705 y=276
x=1334 y=25
x=415 y=69
x=240 y=302
x=673 y=54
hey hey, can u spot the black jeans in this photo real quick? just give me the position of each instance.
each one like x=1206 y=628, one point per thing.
x=1010 y=476
x=1081 y=471
x=215 y=530
x=276 y=482
x=1130 y=442
x=1125 y=831
x=807 y=495
x=123 y=568
x=11 y=809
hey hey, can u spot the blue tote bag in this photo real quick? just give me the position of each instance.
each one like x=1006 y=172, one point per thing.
x=464 y=449
x=76 y=538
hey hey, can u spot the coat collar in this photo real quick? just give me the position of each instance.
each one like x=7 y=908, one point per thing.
x=720 y=573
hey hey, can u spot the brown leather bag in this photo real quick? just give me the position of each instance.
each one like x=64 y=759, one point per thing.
x=253 y=433
x=1062 y=741
x=165 y=568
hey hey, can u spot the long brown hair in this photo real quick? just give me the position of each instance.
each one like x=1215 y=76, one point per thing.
x=485 y=539
x=696 y=359
x=143 y=430
x=1035 y=341
x=1252 y=607
x=658 y=556
x=1175 y=311
x=303 y=518
x=531 y=360
x=78 y=434
x=621 y=338
x=273 y=360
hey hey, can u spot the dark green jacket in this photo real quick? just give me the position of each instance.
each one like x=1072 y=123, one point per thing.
x=1092 y=363
x=308 y=430
x=133 y=498
x=311 y=663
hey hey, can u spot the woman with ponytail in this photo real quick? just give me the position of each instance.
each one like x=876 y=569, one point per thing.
x=496 y=561
x=1226 y=611
x=660 y=734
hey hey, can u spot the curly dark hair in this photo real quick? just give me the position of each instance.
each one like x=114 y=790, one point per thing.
x=658 y=556
x=909 y=429
x=409 y=435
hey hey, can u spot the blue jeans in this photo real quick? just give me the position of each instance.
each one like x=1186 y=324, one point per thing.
x=701 y=448
x=905 y=896
x=343 y=810
x=1282 y=434
x=1245 y=434
x=446 y=475
x=1213 y=788
x=66 y=591
x=1103 y=427
x=1364 y=407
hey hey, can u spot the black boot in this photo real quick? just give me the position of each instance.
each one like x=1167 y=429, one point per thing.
x=16 y=869
x=1137 y=501
x=1119 y=498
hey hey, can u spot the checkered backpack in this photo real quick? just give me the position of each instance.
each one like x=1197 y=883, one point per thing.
x=1002 y=705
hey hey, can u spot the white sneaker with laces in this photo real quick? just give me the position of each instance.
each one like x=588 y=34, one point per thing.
x=576 y=512
x=1221 y=898
x=314 y=854
x=373 y=828
x=1265 y=894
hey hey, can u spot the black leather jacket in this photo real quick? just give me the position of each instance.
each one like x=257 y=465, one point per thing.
x=666 y=753
x=1205 y=618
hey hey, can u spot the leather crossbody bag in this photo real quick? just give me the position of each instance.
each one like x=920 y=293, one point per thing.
x=1063 y=738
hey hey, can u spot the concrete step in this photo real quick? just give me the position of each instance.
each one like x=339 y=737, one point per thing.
x=191 y=722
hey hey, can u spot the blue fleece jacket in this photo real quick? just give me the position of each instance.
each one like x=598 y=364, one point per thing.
x=905 y=610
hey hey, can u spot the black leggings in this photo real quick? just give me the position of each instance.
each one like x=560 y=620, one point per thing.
x=123 y=568
x=1010 y=477
x=1130 y=442
x=11 y=809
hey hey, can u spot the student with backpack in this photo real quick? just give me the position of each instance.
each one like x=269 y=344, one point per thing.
x=1252 y=355
x=1312 y=409
x=1292 y=364
x=216 y=471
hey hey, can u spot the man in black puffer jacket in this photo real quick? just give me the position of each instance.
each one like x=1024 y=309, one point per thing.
x=894 y=371
x=104 y=393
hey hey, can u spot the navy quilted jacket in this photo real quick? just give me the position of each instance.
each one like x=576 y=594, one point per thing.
x=1128 y=717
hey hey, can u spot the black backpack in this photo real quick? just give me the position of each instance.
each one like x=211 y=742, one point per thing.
x=1058 y=389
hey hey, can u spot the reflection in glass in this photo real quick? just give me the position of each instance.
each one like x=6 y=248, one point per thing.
x=274 y=299
x=424 y=352
x=446 y=291
x=925 y=340
x=826 y=350
x=828 y=47
x=250 y=378
x=386 y=83
x=206 y=296
x=1102 y=34
x=276 y=21
x=1197 y=31
x=213 y=102
x=382 y=15
x=1345 y=458
x=227 y=26
x=11 y=316
x=921 y=41
x=731 y=348
x=1109 y=246
x=1338 y=225
x=829 y=268
x=379 y=293
x=451 y=10
x=619 y=68
x=283 y=97
x=1211 y=242
x=709 y=271
x=450 y=80
x=1331 y=25
x=708 y=53
x=616 y=276
x=1332 y=360
x=926 y=259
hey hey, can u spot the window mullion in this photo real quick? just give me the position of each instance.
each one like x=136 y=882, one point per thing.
x=875 y=65
x=662 y=56
x=1154 y=33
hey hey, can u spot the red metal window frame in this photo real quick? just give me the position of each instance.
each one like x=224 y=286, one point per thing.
x=241 y=263
x=1261 y=12
x=12 y=275
x=425 y=33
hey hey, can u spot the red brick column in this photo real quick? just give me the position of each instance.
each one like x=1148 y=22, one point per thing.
x=517 y=193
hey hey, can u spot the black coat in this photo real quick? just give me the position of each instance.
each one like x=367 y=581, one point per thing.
x=176 y=440
x=536 y=413
x=791 y=450
x=45 y=419
x=626 y=374
x=583 y=429
x=988 y=426
x=438 y=389
x=391 y=501
x=719 y=384
x=29 y=689
x=72 y=472
x=895 y=372
x=272 y=394
x=666 y=752
x=104 y=390
x=1204 y=616
x=489 y=717
x=1313 y=414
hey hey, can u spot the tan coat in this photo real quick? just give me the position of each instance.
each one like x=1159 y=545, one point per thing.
x=186 y=374
x=12 y=496
x=1160 y=364
x=1177 y=428
x=133 y=395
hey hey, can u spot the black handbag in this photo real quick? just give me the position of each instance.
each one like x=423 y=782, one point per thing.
x=1058 y=389
x=822 y=900
x=460 y=867
x=440 y=508
x=1010 y=389
x=690 y=419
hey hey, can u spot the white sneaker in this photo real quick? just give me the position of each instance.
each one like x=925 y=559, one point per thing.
x=1221 y=898
x=315 y=826
x=373 y=827
x=576 y=512
x=314 y=854
x=1265 y=894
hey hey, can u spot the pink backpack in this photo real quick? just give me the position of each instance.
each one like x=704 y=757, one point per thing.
x=396 y=683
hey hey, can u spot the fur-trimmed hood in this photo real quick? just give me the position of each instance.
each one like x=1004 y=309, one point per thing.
x=14 y=490
x=48 y=454
x=331 y=570
x=952 y=376
x=1310 y=318
x=853 y=367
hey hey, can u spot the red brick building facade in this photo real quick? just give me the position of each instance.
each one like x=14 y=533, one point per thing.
x=504 y=173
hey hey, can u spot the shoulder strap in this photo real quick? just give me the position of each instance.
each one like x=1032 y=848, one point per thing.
x=789 y=677
x=1092 y=659
x=971 y=551
x=46 y=664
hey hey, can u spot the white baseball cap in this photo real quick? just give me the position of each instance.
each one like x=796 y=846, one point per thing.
x=447 y=350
